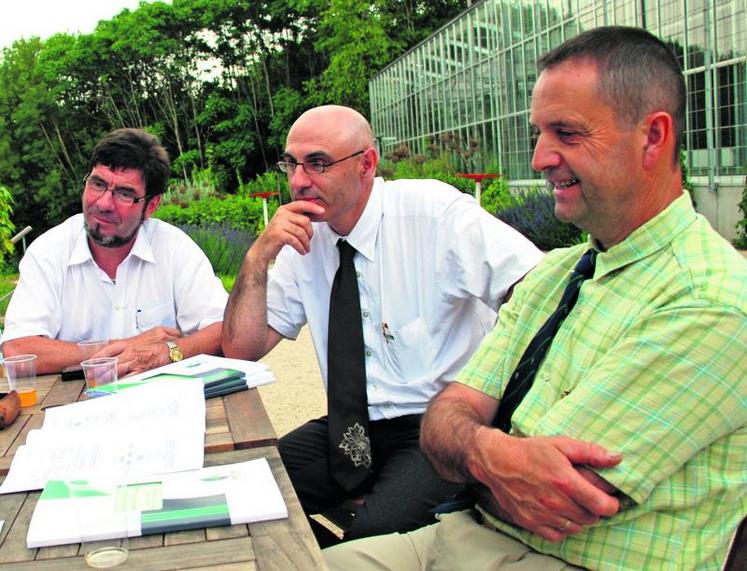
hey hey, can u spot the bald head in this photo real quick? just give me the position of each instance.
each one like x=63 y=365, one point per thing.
x=335 y=126
x=334 y=145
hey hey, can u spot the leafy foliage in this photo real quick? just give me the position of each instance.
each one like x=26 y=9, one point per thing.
x=687 y=182
x=218 y=81
x=741 y=240
x=224 y=245
x=7 y=228
x=270 y=181
x=240 y=212
x=496 y=195
x=445 y=156
x=533 y=214
x=7 y=285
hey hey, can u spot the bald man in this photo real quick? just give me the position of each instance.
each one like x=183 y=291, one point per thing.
x=432 y=268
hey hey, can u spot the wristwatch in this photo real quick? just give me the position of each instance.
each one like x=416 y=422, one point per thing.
x=175 y=354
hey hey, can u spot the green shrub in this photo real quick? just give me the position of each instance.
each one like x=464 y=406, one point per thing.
x=687 y=182
x=447 y=155
x=437 y=168
x=223 y=245
x=533 y=214
x=184 y=192
x=741 y=240
x=239 y=212
x=268 y=181
x=7 y=285
x=7 y=228
x=228 y=282
x=496 y=195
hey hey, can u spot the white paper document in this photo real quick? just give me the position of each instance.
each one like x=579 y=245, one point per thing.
x=70 y=512
x=146 y=430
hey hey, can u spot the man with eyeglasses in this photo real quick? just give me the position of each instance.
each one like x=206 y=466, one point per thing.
x=114 y=273
x=431 y=266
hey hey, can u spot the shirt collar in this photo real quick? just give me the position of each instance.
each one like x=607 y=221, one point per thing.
x=142 y=249
x=363 y=235
x=651 y=237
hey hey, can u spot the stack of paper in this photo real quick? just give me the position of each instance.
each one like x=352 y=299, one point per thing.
x=219 y=495
x=220 y=375
x=148 y=430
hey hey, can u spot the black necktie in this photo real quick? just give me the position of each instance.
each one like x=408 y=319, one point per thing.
x=523 y=377
x=347 y=402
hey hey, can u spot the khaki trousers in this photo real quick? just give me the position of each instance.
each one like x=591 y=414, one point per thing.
x=457 y=542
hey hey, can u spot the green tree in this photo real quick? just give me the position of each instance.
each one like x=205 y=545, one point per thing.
x=353 y=36
x=7 y=228
x=219 y=81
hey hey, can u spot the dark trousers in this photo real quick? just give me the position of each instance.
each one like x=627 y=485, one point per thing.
x=398 y=495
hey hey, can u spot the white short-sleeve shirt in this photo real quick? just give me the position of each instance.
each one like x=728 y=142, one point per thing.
x=432 y=267
x=165 y=280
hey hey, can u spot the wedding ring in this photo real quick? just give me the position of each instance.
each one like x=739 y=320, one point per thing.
x=566 y=525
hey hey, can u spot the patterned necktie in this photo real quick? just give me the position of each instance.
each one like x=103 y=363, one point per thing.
x=347 y=402
x=523 y=377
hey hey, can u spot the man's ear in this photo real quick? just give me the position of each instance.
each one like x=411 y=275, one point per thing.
x=659 y=138
x=150 y=208
x=369 y=162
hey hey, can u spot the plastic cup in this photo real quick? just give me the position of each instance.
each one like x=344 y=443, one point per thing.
x=89 y=348
x=104 y=527
x=21 y=373
x=99 y=372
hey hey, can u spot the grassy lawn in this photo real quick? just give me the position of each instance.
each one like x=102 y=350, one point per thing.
x=7 y=283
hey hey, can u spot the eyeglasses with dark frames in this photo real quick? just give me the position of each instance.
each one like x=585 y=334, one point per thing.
x=98 y=186
x=314 y=166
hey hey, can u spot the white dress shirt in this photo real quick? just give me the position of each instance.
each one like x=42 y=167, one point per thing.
x=432 y=267
x=62 y=294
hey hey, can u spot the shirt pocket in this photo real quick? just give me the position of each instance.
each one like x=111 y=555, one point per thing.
x=155 y=315
x=410 y=351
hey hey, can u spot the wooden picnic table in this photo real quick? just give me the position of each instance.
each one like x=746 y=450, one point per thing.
x=238 y=429
x=233 y=422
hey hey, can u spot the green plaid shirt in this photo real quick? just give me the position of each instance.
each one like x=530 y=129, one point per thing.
x=651 y=363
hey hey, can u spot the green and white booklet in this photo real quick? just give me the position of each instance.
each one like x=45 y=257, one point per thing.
x=215 y=496
x=220 y=375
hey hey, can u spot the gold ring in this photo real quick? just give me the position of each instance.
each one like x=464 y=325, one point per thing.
x=566 y=525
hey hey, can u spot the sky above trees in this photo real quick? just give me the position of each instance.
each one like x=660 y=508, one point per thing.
x=43 y=18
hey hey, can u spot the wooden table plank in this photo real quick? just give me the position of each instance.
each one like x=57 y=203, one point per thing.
x=248 y=420
x=62 y=392
x=228 y=555
x=14 y=543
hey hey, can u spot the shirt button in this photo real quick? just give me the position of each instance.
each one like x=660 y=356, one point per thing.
x=368 y=353
x=357 y=274
x=365 y=313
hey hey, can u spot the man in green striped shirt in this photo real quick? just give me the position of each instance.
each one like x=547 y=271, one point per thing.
x=628 y=451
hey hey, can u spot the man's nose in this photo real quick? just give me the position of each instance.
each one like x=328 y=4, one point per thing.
x=105 y=201
x=545 y=156
x=299 y=178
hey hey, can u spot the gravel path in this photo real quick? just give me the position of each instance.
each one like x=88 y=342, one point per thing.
x=298 y=393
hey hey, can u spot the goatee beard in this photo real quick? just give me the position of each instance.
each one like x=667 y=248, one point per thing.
x=110 y=241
